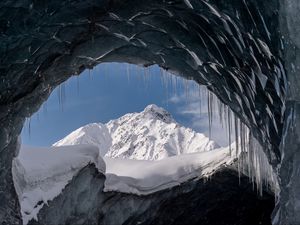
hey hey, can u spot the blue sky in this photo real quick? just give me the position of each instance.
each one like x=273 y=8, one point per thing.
x=111 y=90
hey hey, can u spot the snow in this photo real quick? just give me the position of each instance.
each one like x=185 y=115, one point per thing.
x=40 y=174
x=93 y=134
x=144 y=153
x=143 y=177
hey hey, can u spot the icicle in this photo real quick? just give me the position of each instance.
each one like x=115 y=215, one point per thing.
x=89 y=72
x=212 y=105
x=61 y=95
x=173 y=80
x=237 y=145
x=186 y=91
x=220 y=111
x=176 y=82
x=128 y=73
x=236 y=131
x=77 y=82
x=225 y=116
x=45 y=108
x=200 y=99
x=29 y=127
x=161 y=76
x=144 y=77
x=259 y=171
x=209 y=114
x=38 y=116
x=229 y=129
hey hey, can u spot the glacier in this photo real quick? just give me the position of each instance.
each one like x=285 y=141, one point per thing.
x=142 y=177
x=40 y=174
x=245 y=52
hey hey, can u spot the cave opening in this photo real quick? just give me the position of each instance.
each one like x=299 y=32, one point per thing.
x=245 y=52
x=189 y=100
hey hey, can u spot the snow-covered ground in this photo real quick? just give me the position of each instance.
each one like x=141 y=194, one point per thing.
x=145 y=177
x=168 y=155
x=40 y=174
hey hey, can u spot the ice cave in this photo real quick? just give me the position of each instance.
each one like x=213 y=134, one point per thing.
x=245 y=53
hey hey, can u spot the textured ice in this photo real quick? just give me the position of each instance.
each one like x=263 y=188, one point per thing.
x=46 y=52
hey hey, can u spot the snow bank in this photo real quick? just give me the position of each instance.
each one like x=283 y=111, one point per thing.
x=169 y=154
x=145 y=177
x=40 y=174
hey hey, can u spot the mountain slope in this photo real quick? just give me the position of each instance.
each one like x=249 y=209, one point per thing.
x=149 y=135
x=153 y=134
x=92 y=134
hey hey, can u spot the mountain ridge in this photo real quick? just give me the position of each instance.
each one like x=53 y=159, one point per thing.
x=152 y=134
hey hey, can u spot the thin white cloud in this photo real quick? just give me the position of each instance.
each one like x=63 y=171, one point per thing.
x=194 y=109
x=175 y=99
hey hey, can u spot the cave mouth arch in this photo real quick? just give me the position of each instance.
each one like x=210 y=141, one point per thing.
x=93 y=78
x=238 y=137
x=230 y=52
x=202 y=41
x=111 y=90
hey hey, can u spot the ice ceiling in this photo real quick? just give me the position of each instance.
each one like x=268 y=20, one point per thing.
x=232 y=47
x=234 y=51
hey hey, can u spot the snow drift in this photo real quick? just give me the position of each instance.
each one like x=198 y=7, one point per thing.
x=40 y=174
x=168 y=155
x=145 y=177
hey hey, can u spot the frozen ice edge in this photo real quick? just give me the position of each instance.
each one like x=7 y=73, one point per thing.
x=41 y=174
x=147 y=177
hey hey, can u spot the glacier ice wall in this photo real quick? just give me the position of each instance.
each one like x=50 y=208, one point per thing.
x=193 y=202
x=287 y=210
x=241 y=50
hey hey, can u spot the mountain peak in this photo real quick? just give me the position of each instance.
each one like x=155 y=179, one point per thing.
x=148 y=135
x=153 y=107
x=158 y=113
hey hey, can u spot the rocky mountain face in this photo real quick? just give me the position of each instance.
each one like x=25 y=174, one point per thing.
x=149 y=135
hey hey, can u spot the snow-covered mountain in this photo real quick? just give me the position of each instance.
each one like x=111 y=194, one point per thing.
x=149 y=135
x=91 y=134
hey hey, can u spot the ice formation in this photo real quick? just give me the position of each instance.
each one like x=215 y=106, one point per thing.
x=40 y=174
x=145 y=177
